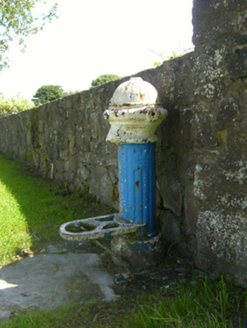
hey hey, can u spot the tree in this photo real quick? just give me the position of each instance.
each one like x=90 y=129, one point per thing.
x=103 y=79
x=48 y=93
x=14 y=105
x=17 y=21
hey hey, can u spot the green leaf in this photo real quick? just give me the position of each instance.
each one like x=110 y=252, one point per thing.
x=103 y=79
x=17 y=21
x=48 y=93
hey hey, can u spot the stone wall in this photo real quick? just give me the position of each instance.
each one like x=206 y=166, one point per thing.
x=201 y=155
x=220 y=108
x=68 y=137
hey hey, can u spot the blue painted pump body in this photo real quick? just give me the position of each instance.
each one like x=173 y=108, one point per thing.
x=136 y=165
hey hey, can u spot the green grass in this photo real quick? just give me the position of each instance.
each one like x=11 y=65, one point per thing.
x=208 y=304
x=32 y=209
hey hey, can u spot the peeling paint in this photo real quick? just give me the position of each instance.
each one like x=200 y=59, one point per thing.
x=137 y=120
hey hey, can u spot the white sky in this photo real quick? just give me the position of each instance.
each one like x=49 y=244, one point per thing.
x=95 y=37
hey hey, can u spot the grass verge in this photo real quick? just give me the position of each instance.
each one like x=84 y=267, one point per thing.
x=32 y=209
x=205 y=304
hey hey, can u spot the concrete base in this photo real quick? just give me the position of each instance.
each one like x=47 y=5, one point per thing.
x=140 y=253
x=55 y=277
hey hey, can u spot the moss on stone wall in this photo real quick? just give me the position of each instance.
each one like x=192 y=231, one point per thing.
x=47 y=165
x=34 y=129
x=115 y=194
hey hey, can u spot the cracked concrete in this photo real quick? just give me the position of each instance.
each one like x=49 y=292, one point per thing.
x=52 y=278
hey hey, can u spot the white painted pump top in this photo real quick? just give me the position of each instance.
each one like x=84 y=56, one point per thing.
x=134 y=113
x=134 y=92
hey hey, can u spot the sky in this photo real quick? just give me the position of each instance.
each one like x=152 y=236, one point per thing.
x=95 y=37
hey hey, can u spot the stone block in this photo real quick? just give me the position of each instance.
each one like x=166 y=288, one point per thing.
x=138 y=254
x=222 y=239
x=238 y=63
x=211 y=18
x=236 y=142
x=191 y=211
x=171 y=193
x=171 y=230
x=227 y=113
x=64 y=154
x=189 y=165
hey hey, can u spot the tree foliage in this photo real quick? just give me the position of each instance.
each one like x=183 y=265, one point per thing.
x=14 y=105
x=17 y=21
x=48 y=93
x=103 y=79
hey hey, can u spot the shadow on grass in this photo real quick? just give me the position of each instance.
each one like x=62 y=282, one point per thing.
x=43 y=204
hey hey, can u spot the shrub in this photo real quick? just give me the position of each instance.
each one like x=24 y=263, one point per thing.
x=14 y=105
